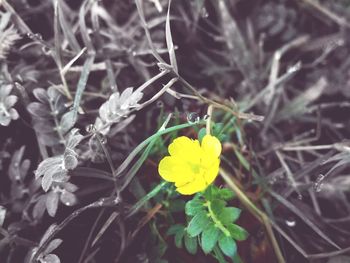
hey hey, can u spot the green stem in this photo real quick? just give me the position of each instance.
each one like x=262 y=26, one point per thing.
x=216 y=220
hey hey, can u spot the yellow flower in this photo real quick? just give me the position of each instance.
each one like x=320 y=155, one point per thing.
x=191 y=166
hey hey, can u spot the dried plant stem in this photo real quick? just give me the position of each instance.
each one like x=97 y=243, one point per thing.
x=240 y=115
x=256 y=212
x=103 y=202
x=209 y=113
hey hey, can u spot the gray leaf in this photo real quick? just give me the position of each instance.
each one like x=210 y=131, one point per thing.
x=39 y=208
x=4 y=120
x=10 y=101
x=5 y=90
x=41 y=95
x=43 y=127
x=70 y=162
x=53 y=245
x=47 y=233
x=47 y=165
x=39 y=110
x=67 y=121
x=68 y=198
x=70 y=187
x=46 y=182
x=2 y=215
x=51 y=258
x=14 y=114
x=52 y=204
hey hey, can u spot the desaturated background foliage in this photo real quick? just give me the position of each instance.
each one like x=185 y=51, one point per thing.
x=83 y=82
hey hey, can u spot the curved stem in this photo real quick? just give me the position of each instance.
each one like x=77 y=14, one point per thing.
x=216 y=220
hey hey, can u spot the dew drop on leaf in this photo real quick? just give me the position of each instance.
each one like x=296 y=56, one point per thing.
x=193 y=117
x=319 y=183
x=90 y=128
x=291 y=222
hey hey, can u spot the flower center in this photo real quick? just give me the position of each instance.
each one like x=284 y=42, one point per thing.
x=195 y=167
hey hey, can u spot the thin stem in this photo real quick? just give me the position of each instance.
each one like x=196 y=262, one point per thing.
x=256 y=212
x=217 y=221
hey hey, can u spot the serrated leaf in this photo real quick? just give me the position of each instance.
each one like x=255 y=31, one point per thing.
x=237 y=232
x=198 y=223
x=46 y=182
x=227 y=245
x=225 y=194
x=229 y=215
x=191 y=244
x=218 y=206
x=210 y=237
x=194 y=206
x=70 y=161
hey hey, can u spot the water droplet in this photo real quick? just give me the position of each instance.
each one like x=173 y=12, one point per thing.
x=193 y=117
x=134 y=53
x=206 y=116
x=160 y=104
x=319 y=183
x=90 y=128
x=102 y=139
x=291 y=222
x=46 y=50
x=36 y=36
x=204 y=13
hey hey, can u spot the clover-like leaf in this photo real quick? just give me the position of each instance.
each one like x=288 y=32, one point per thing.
x=198 y=223
x=210 y=237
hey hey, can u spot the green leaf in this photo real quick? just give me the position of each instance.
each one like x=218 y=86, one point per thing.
x=202 y=132
x=229 y=215
x=218 y=206
x=227 y=245
x=194 y=206
x=237 y=232
x=191 y=244
x=210 y=237
x=198 y=223
x=174 y=229
x=225 y=194
x=178 y=238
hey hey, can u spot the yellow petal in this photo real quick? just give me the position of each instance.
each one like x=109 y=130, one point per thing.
x=186 y=149
x=193 y=187
x=211 y=145
x=212 y=171
x=173 y=169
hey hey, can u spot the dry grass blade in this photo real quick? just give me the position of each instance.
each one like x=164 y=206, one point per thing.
x=169 y=41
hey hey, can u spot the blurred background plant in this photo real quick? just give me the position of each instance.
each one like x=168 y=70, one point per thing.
x=123 y=79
